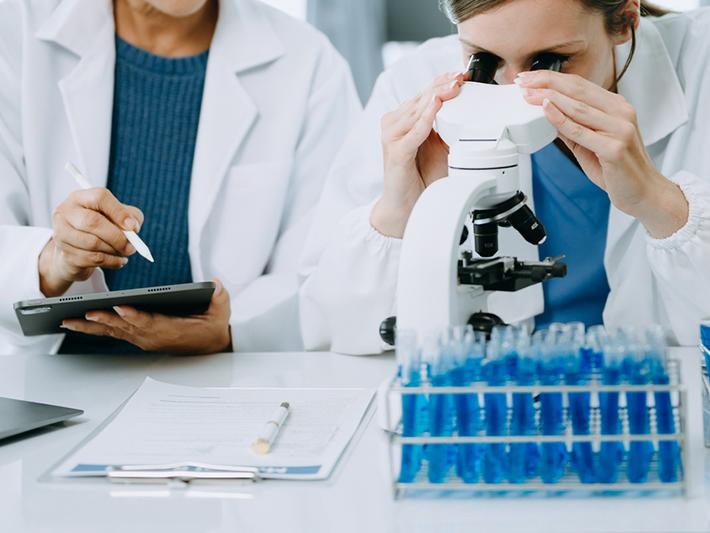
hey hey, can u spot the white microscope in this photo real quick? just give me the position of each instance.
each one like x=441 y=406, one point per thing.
x=443 y=280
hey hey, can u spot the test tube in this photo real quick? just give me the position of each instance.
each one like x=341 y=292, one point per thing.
x=495 y=460
x=553 y=454
x=638 y=369
x=593 y=356
x=470 y=349
x=439 y=355
x=611 y=452
x=413 y=405
x=578 y=368
x=668 y=451
x=524 y=457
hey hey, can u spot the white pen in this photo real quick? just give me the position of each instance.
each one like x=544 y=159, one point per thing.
x=266 y=438
x=132 y=237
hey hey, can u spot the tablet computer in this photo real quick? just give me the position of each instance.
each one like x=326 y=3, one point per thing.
x=44 y=316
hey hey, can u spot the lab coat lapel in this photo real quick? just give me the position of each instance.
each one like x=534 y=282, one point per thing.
x=652 y=86
x=85 y=28
x=244 y=40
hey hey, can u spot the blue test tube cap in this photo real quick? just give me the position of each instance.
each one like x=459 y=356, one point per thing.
x=705 y=332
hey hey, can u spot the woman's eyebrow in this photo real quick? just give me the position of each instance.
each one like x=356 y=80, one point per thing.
x=548 y=49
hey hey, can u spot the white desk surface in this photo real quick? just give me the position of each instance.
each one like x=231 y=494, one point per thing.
x=356 y=498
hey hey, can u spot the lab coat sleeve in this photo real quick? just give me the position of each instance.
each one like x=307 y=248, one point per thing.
x=265 y=313
x=681 y=263
x=20 y=241
x=349 y=269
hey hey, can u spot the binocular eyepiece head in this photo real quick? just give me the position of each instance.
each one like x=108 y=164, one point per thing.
x=482 y=67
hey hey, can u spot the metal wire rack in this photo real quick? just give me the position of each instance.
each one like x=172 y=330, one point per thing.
x=569 y=482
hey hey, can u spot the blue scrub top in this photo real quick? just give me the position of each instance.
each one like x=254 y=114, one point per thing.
x=575 y=213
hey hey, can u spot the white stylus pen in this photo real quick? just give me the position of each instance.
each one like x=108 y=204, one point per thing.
x=266 y=438
x=132 y=237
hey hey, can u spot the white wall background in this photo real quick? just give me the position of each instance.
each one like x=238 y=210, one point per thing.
x=678 y=5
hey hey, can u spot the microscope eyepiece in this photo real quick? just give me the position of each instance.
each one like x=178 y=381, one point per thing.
x=548 y=61
x=482 y=68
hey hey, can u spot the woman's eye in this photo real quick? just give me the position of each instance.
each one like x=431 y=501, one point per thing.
x=549 y=62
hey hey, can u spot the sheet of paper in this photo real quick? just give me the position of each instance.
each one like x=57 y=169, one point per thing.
x=165 y=424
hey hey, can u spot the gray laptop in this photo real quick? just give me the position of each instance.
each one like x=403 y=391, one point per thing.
x=17 y=416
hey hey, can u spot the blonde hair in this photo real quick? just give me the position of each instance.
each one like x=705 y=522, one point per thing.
x=615 y=18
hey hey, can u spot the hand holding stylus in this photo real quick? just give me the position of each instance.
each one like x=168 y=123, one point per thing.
x=88 y=234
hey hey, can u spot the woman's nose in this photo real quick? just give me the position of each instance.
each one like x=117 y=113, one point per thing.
x=507 y=74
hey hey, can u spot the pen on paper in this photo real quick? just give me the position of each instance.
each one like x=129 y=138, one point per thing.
x=270 y=431
x=132 y=237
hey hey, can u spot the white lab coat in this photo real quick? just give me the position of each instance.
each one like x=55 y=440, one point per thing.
x=278 y=101
x=351 y=270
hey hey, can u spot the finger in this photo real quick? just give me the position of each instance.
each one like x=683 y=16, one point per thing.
x=573 y=86
x=65 y=233
x=220 y=304
x=105 y=202
x=137 y=214
x=575 y=132
x=82 y=259
x=445 y=87
x=141 y=320
x=444 y=91
x=112 y=320
x=93 y=222
x=424 y=124
x=91 y=328
x=578 y=111
x=587 y=160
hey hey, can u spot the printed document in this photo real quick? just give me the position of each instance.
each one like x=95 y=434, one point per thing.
x=213 y=428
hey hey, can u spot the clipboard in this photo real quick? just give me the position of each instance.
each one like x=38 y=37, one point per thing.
x=190 y=472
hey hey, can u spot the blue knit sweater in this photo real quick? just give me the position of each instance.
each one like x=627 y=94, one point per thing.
x=156 y=112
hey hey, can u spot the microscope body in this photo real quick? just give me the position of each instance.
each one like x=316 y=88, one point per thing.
x=442 y=282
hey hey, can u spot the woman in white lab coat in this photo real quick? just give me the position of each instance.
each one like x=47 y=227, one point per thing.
x=635 y=124
x=269 y=109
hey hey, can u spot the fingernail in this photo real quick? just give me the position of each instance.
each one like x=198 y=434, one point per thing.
x=130 y=249
x=124 y=261
x=525 y=74
x=518 y=81
x=118 y=310
x=90 y=317
x=131 y=224
x=546 y=102
x=64 y=326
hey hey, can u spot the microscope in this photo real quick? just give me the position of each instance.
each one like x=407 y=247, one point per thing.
x=445 y=280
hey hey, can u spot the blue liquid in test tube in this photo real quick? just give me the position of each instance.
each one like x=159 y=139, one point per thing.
x=524 y=457
x=578 y=368
x=495 y=459
x=639 y=370
x=467 y=370
x=611 y=453
x=554 y=454
x=668 y=451
x=413 y=405
x=439 y=355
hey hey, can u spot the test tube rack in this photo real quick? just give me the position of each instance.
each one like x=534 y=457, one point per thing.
x=569 y=482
